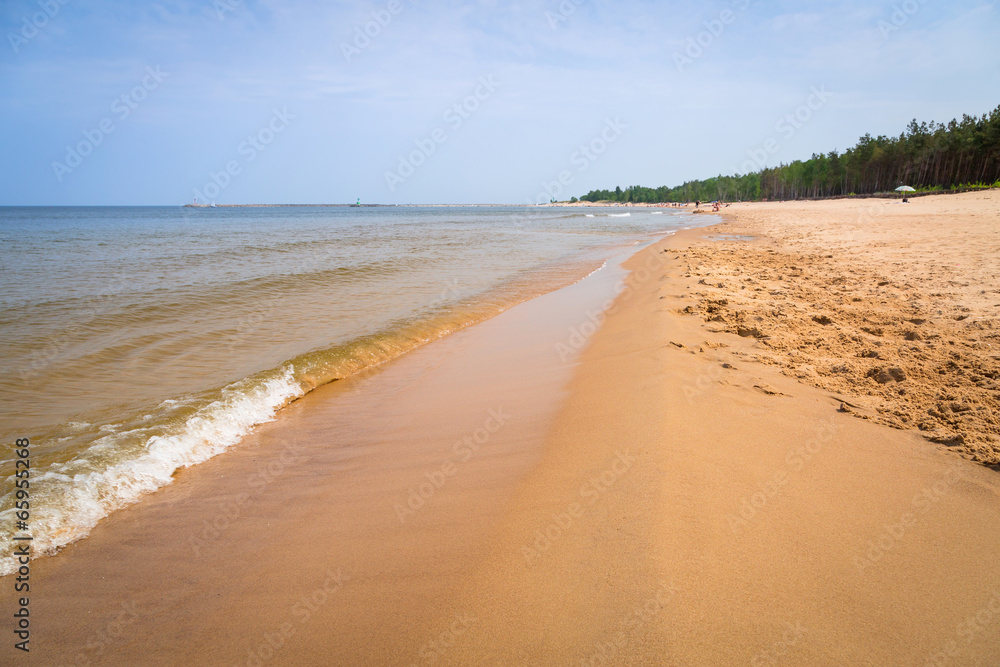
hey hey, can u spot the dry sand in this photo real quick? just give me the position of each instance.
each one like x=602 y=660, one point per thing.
x=896 y=304
x=690 y=502
x=755 y=523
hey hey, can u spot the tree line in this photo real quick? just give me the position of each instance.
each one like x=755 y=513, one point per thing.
x=927 y=156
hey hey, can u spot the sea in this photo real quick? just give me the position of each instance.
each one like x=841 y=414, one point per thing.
x=140 y=340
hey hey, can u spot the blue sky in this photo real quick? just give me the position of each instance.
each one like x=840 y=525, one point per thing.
x=295 y=101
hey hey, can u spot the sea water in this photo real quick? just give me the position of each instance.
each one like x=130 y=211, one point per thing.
x=139 y=340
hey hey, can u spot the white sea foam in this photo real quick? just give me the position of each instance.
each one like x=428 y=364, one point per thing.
x=619 y=215
x=66 y=507
x=96 y=449
x=603 y=264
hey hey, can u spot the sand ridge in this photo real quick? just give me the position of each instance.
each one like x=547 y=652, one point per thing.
x=894 y=305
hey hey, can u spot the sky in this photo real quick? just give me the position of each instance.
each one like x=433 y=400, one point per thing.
x=122 y=102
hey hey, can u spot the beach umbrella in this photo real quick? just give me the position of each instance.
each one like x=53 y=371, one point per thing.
x=904 y=189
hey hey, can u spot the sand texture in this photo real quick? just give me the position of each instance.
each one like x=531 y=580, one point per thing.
x=675 y=495
x=895 y=304
x=696 y=507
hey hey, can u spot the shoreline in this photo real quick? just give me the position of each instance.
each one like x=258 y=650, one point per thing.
x=225 y=413
x=406 y=464
x=838 y=198
x=673 y=499
x=751 y=520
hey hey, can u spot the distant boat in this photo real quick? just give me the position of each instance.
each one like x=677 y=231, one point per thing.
x=214 y=206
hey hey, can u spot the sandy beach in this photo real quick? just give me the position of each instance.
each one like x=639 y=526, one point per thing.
x=778 y=447
x=896 y=304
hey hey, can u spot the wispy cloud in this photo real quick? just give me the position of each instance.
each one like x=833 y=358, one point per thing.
x=561 y=78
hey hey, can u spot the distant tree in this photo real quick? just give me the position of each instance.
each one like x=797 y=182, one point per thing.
x=929 y=155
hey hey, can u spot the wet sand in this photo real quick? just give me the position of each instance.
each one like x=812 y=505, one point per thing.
x=334 y=532
x=670 y=497
x=755 y=522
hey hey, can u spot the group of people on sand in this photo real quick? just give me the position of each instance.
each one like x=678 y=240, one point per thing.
x=715 y=206
x=660 y=205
